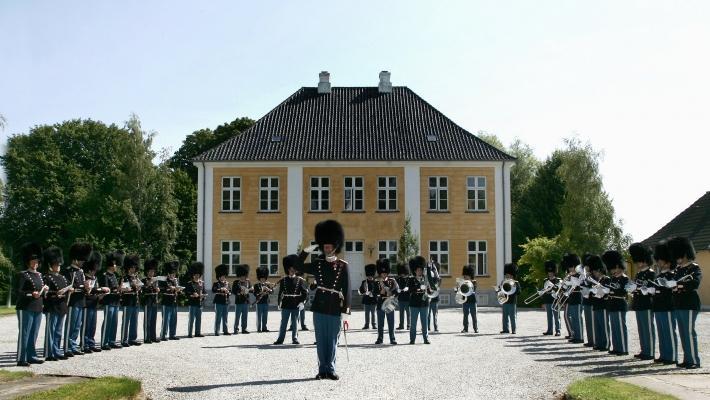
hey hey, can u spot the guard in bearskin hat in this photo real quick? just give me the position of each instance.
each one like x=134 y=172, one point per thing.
x=196 y=293
x=151 y=291
x=242 y=290
x=221 y=299
x=92 y=291
x=30 y=290
x=598 y=296
x=550 y=286
x=469 y=306
x=291 y=298
x=367 y=291
x=586 y=288
x=686 y=298
x=403 y=296
x=130 y=304
x=332 y=296
x=171 y=291
x=617 y=305
x=262 y=290
x=78 y=254
x=55 y=304
x=111 y=300
x=419 y=300
x=508 y=296
x=642 y=303
x=663 y=305
x=573 y=304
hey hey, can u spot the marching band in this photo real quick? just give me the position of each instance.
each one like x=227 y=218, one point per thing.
x=593 y=293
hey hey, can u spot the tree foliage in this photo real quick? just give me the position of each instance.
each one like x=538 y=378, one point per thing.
x=408 y=242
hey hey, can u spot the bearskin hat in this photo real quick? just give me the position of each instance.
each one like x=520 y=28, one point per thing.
x=221 y=270
x=681 y=247
x=417 y=262
x=613 y=259
x=290 y=261
x=131 y=261
x=510 y=269
x=402 y=269
x=53 y=255
x=31 y=251
x=662 y=252
x=196 y=268
x=641 y=253
x=383 y=266
x=80 y=251
x=93 y=263
x=569 y=260
x=262 y=272
x=585 y=259
x=550 y=266
x=370 y=270
x=330 y=232
x=115 y=258
x=150 y=264
x=595 y=263
x=468 y=270
x=242 y=270
x=171 y=267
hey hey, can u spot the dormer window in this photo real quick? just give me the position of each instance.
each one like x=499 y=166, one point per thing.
x=432 y=137
x=276 y=138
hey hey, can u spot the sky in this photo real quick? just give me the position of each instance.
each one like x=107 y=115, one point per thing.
x=630 y=77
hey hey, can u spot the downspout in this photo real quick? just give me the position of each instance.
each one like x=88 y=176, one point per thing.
x=505 y=247
x=204 y=202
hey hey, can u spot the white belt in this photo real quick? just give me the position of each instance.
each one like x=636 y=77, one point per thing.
x=338 y=292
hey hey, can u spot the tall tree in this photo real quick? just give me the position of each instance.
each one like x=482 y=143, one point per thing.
x=408 y=242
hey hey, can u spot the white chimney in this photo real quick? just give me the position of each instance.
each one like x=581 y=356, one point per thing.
x=324 y=82
x=385 y=85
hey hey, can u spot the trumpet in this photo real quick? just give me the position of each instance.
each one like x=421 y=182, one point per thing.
x=671 y=283
x=545 y=289
x=599 y=290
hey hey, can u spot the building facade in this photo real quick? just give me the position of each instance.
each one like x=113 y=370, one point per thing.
x=368 y=157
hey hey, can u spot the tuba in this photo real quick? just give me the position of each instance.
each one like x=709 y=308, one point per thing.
x=465 y=289
x=431 y=280
x=507 y=289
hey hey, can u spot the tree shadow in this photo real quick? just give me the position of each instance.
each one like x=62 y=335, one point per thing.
x=261 y=346
x=203 y=388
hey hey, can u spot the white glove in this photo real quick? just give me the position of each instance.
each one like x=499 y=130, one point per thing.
x=540 y=292
x=301 y=306
x=310 y=249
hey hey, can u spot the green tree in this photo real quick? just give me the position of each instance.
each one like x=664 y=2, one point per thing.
x=532 y=263
x=408 y=242
x=186 y=197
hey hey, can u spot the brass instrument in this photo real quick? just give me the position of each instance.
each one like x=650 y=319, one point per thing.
x=390 y=303
x=545 y=289
x=671 y=283
x=266 y=289
x=464 y=289
x=506 y=289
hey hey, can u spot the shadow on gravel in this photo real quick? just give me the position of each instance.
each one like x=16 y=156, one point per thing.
x=8 y=359
x=527 y=343
x=626 y=370
x=261 y=346
x=204 y=388
x=550 y=350
x=571 y=358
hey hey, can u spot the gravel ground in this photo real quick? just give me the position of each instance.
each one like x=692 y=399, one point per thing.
x=484 y=365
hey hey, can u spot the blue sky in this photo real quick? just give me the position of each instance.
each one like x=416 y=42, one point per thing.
x=631 y=77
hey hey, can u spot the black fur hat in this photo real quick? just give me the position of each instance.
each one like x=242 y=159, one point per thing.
x=417 y=262
x=115 y=258
x=595 y=263
x=330 y=232
x=569 y=260
x=370 y=270
x=681 y=247
x=550 y=266
x=242 y=270
x=262 y=272
x=196 y=268
x=150 y=264
x=289 y=261
x=93 y=263
x=130 y=261
x=510 y=269
x=613 y=259
x=585 y=259
x=171 y=267
x=383 y=266
x=221 y=270
x=468 y=270
x=402 y=269
x=79 y=251
x=31 y=251
x=662 y=252
x=53 y=255
x=641 y=253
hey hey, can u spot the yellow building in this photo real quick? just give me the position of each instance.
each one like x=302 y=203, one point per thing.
x=367 y=157
x=693 y=223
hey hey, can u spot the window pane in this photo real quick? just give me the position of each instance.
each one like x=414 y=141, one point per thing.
x=326 y=194
x=383 y=246
x=358 y=246
x=433 y=246
x=381 y=181
x=225 y=182
x=263 y=182
x=274 y=246
x=432 y=181
x=482 y=246
x=471 y=194
x=225 y=246
x=442 y=204
x=482 y=181
x=325 y=182
x=225 y=258
x=471 y=246
x=470 y=181
x=481 y=204
x=381 y=194
x=481 y=194
x=443 y=181
x=225 y=205
x=393 y=245
x=358 y=182
x=358 y=194
x=444 y=194
x=393 y=181
x=444 y=246
x=235 y=259
x=382 y=205
x=358 y=204
x=326 y=205
x=393 y=204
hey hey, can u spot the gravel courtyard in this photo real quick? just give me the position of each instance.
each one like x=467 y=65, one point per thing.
x=486 y=365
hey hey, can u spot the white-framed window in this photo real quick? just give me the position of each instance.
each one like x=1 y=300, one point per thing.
x=438 y=193
x=320 y=193
x=388 y=249
x=231 y=255
x=269 y=256
x=439 y=252
x=353 y=246
x=354 y=193
x=231 y=193
x=478 y=256
x=387 y=193
x=476 y=189
x=268 y=193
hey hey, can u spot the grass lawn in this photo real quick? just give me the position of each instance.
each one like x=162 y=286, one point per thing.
x=7 y=310
x=106 y=388
x=610 y=389
x=7 y=376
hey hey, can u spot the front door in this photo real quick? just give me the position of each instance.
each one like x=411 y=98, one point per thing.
x=356 y=262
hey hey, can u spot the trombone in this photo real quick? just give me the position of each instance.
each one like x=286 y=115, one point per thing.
x=538 y=294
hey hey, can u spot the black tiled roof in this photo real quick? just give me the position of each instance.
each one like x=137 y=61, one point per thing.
x=693 y=223
x=354 y=124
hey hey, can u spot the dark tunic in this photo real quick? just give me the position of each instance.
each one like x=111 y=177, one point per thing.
x=110 y=280
x=663 y=298
x=54 y=302
x=195 y=288
x=221 y=292
x=643 y=302
x=169 y=291
x=332 y=279
x=617 y=295
x=547 y=297
x=292 y=292
x=76 y=299
x=417 y=298
x=368 y=286
x=241 y=296
x=27 y=283
x=150 y=291
x=687 y=298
